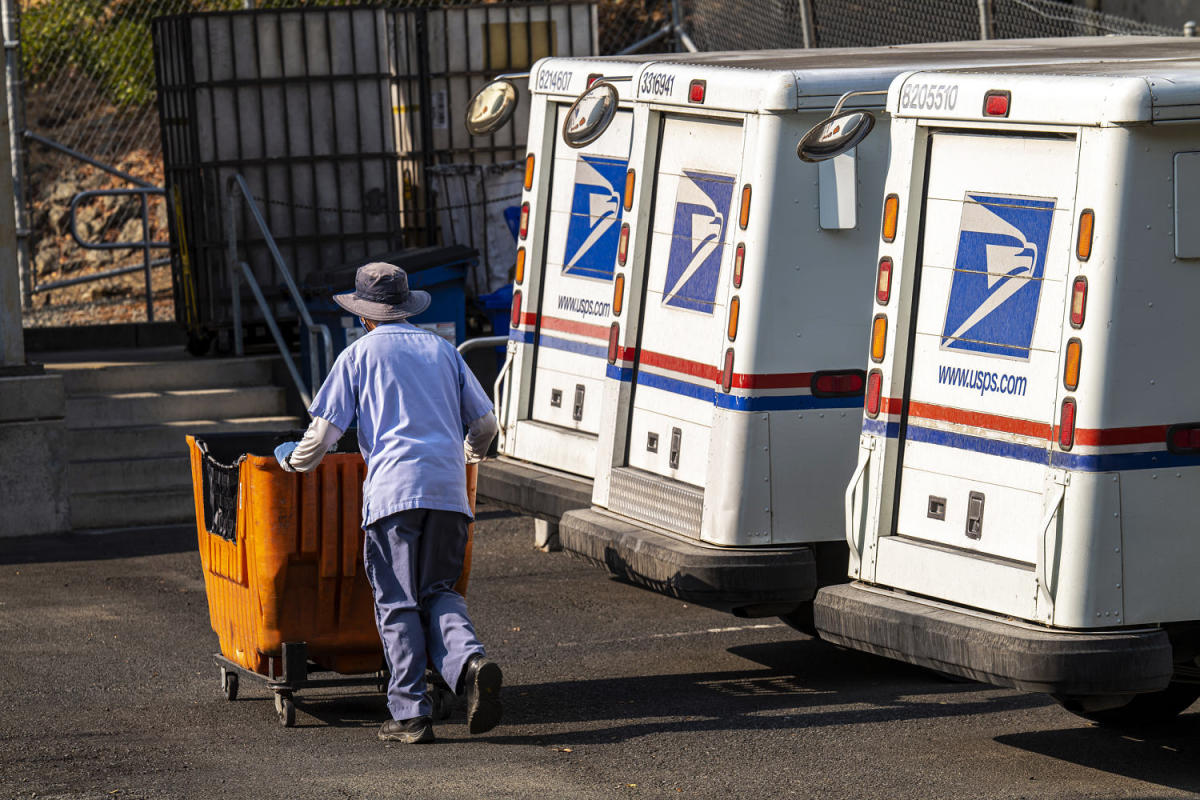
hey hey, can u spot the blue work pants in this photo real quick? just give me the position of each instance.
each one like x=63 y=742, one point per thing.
x=413 y=559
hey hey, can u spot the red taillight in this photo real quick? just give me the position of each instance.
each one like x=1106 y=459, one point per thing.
x=995 y=104
x=727 y=372
x=524 y=219
x=739 y=263
x=883 y=283
x=696 y=92
x=1066 y=424
x=1184 y=438
x=846 y=383
x=1078 y=301
x=874 y=392
x=516 y=309
x=623 y=244
x=614 y=336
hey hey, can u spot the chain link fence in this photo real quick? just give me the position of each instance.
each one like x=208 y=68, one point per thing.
x=84 y=85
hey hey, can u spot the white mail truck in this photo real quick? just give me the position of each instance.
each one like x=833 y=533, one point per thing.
x=739 y=308
x=1020 y=512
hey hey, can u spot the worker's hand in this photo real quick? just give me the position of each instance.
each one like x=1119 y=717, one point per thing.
x=281 y=455
x=473 y=456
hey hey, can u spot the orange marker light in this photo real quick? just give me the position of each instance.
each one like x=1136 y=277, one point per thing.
x=630 y=182
x=891 y=213
x=735 y=306
x=1087 y=225
x=529 y=172
x=744 y=216
x=618 y=295
x=520 y=271
x=1071 y=368
x=878 y=338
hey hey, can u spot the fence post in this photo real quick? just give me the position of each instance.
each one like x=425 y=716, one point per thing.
x=15 y=99
x=985 y=19
x=806 y=23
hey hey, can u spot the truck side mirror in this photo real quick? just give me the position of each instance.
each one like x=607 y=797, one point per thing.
x=833 y=136
x=590 y=115
x=491 y=107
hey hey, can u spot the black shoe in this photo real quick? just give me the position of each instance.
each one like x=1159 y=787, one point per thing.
x=418 y=730
x=481 y=684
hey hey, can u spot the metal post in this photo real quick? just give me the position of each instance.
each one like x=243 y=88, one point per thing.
x=676 y=25
x=985 y=19
x=806 y=22
x=12 y=340
x=15 y=96
x=1189 y=28
x=146 y=256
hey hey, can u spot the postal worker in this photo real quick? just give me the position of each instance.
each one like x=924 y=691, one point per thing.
x=412 y=396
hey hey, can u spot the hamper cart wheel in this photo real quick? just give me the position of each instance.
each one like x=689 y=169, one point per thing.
x=229 y=684
x=285 y=708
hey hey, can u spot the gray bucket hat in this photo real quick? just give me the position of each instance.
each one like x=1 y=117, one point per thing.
x=381 y=293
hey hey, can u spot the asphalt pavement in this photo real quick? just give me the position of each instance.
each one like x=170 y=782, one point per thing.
x=109 y=691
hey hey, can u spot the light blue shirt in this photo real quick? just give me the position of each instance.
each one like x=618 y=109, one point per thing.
x=413 y=396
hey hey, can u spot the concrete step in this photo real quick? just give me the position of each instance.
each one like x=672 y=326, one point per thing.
x=131 y=508
x=142 y=408
x=163 y=439
x=120 y=474
x=109 y=377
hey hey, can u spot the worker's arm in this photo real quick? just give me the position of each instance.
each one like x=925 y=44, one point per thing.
x=479 y=437
x=306 y=454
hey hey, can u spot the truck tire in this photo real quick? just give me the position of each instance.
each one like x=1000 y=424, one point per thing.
x=1143 y=709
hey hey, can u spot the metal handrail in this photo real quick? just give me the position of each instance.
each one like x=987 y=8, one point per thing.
x=276 y=334
x=145 y=245
x=497 y=393
x=235 y=185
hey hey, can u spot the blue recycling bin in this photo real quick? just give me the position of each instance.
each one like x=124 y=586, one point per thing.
x=497 y=306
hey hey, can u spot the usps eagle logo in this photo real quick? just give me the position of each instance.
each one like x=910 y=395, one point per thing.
x=697 y=241
x=594 y=228
x=998 y=269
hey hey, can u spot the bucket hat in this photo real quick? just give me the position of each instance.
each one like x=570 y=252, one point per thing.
x=381 y=293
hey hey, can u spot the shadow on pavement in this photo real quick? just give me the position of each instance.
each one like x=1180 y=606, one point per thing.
x=806 y=683
x=130 y=543
x=1166 y=755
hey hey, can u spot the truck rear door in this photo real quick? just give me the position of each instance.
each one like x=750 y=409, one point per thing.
x=984 y=361
x=571 y=329
x=683 y=317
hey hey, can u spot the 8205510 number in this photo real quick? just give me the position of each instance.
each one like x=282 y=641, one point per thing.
x=929 y=96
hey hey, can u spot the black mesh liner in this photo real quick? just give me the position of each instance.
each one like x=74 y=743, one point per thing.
x=223 y=454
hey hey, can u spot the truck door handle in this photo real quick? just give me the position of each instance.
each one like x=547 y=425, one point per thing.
x=676 y=441
x=975 y=515
x=577 y=411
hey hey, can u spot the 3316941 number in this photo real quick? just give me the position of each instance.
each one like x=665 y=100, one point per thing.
x=929 y=96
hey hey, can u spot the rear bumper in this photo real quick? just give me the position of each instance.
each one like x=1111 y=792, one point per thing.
x=752 y=581
x=988 y=649
x=543 y=493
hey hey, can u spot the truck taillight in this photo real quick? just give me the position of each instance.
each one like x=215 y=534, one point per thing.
x=696 y=91
x=727 y=372
x=529 y=172
x=614 y=336
x=618 y=295
x=878 y=338
x=1184 y=439
x=735 y=307
x=1066 y=424
x=843 y=383
x=630 y=182
x=520 y=270
x=524 y=219
x=995 y=103
x=516 y=310
x=1078 y=301
x=739 y=262
x=883 y=282
x=891 y=214
x=1071 y=367
x=1087 y=226
x=623 y=244
x=744 y=215
x=874 y=393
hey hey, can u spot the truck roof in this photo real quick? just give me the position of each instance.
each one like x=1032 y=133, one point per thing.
x=808 y=78
x=1095 y=93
